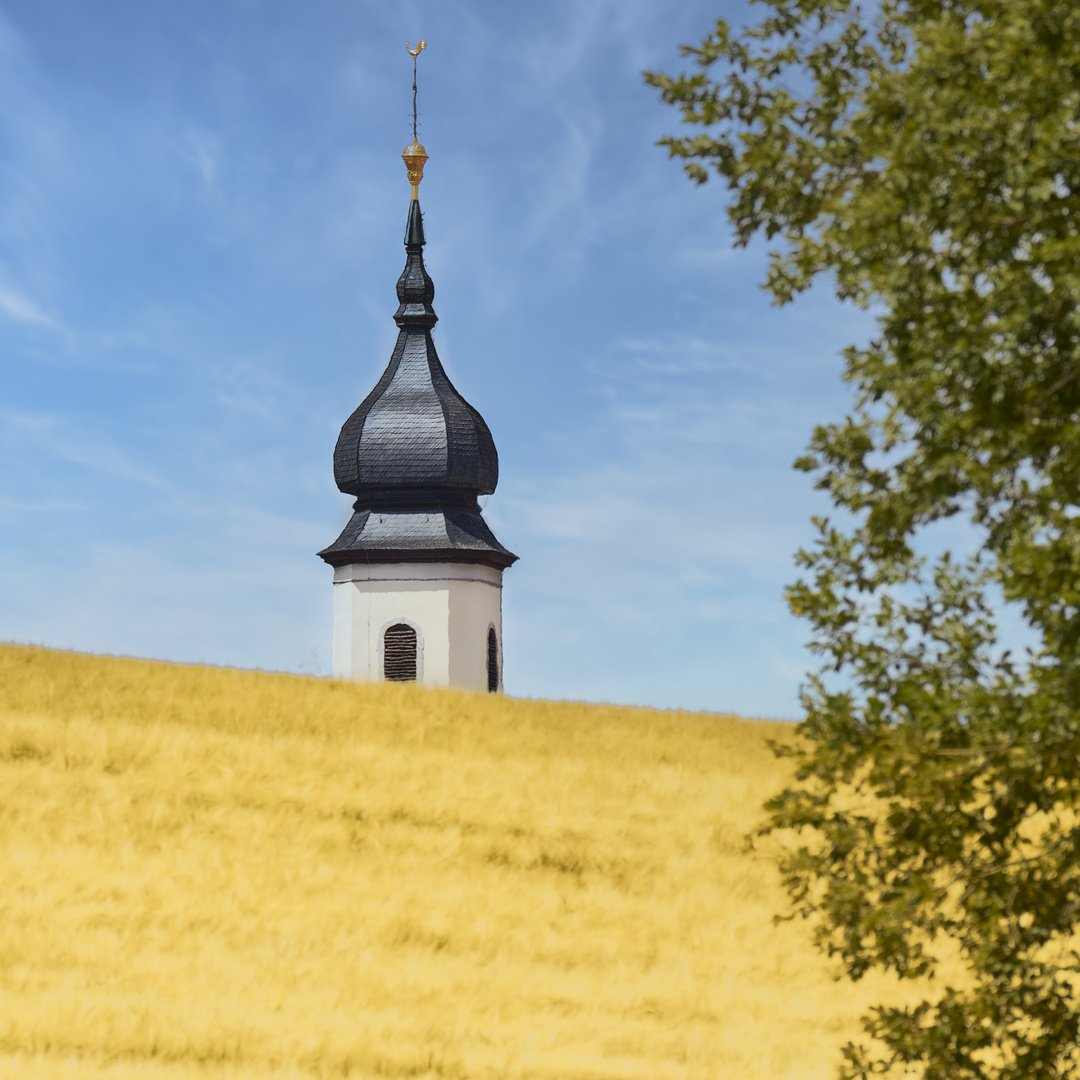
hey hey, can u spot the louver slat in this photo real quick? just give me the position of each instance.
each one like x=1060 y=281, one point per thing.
x=492 y=661
x=399 y=654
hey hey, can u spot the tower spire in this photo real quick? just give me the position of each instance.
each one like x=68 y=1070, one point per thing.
x=417 y=571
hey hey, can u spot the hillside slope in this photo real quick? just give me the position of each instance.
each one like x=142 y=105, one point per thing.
x=214 y=873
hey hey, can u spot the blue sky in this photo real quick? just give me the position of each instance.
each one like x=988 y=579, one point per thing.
x=201 y=212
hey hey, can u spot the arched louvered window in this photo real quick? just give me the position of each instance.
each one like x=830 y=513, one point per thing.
x=492 y=661
x=399 y=653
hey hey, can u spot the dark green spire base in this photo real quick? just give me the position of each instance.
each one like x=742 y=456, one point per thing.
x=414 y=231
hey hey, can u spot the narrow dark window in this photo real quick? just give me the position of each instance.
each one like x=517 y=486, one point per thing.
x=493 y=661
x=399 y=653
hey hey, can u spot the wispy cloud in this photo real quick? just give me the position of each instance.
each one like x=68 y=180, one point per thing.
x=203 y=152
x=63 y=439
x=20 y=308
x=33 y=506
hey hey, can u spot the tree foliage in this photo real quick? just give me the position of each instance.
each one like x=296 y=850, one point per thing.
x=924 y=155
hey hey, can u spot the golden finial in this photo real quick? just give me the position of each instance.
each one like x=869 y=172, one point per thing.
x=414 y=155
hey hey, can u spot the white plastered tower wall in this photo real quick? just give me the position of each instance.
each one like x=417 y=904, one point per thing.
x=450 y=605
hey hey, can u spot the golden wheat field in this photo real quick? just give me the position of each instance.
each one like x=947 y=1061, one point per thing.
x=209 y=873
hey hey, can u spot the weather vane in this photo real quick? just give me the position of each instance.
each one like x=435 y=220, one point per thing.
x=414 y=154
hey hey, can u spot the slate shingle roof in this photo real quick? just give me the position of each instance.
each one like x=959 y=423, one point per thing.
x=417 y=536
x=415 y=453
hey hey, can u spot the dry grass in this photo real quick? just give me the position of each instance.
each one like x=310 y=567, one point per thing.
x=214 y=873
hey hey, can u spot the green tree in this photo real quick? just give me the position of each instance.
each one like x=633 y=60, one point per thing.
x=924 y=155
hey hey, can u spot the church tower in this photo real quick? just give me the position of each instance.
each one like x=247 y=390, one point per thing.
x=417 y=571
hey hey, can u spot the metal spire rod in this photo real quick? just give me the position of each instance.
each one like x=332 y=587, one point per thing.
x=414 y=53
x=415 y=155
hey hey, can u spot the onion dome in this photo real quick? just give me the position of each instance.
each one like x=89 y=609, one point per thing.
x=414 y=433
x=415 y=454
